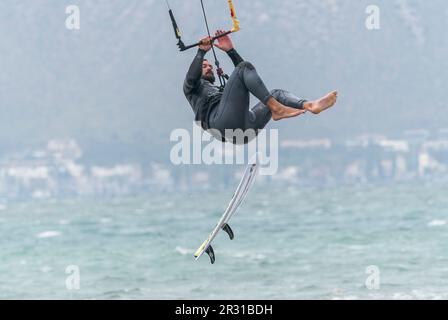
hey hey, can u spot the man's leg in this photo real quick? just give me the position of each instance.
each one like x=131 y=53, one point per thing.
x=233 y=111
x=260 y=114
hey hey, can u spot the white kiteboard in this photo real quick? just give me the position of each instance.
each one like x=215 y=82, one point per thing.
x=238 y=197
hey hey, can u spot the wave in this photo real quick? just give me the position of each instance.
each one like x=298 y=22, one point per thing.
x=48 y=234
x=437 y=223
x=184 y=251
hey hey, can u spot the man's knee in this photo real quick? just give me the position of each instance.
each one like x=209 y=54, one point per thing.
x=246 y=64
x=276 y=93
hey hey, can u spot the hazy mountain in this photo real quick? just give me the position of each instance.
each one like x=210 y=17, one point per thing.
x=115 y=85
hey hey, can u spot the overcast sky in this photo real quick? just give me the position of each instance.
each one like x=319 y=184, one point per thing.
x=119 y=78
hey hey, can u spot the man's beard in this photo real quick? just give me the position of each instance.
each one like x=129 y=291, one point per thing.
x=210 y=77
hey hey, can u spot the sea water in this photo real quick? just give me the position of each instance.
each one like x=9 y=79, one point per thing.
x=290 y=243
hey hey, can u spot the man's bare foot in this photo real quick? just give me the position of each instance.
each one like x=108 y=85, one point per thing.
x=321 y=104
x=280 y=111
x=286 y=112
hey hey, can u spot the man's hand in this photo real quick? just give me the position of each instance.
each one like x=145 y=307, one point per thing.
x=206 y=44
x=224 y=43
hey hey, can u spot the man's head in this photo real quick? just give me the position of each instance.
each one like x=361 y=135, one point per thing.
x=207 y=71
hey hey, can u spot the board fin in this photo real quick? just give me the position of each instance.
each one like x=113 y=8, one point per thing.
x=228 y=230
x=211 y=254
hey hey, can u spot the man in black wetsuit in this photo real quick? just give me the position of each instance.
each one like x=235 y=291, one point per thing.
x=218 y=111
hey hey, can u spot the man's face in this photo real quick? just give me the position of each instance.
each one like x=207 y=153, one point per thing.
x=207 y=71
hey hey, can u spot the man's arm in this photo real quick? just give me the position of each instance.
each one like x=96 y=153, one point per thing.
x=225 y=44
x=193 y=78
x=236 y=58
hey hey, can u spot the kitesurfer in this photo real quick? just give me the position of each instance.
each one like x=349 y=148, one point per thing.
x=217 y=109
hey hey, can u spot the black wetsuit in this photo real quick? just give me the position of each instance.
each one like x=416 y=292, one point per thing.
x=229 y=109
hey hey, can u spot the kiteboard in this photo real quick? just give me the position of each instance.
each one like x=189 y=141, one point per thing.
x=237 y=198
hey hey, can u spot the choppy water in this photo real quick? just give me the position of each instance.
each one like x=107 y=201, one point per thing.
x=290 y=244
